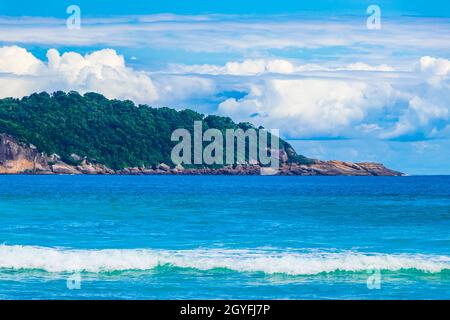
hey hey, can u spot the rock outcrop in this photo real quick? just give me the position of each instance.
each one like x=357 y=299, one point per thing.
x=16 y=157
x=63 y=168
x=20 y=158
x=93 y=168
x=338 y=168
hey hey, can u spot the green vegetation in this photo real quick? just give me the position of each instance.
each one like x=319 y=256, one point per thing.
x=115 y=133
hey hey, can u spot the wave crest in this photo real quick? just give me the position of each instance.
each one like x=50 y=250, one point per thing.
x=270 y=262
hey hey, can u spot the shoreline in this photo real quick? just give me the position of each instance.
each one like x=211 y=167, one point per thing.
x=20 y=158
x=301 y=171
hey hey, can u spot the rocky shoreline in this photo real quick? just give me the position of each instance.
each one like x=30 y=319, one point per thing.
x=18 y=158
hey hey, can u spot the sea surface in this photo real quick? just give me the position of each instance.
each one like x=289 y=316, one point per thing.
x=224 y=237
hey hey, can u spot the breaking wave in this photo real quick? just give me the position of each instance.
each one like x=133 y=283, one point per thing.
x=270 y=262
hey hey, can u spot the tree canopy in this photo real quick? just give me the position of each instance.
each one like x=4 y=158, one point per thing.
x=116 y=133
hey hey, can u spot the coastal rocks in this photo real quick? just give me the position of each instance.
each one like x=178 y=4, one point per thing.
x=163 y=167
x=93 y=168
x=16 y=157
x=63 y=168
x=228 y=170
x=147 y=171
x=318 y=168
x=179 y=168
x=19 y=158
x=137 y=171
x=378 y=169
x=335 y=167
x=133 y=171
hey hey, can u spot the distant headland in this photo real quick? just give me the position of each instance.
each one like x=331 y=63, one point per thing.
x=70 y=133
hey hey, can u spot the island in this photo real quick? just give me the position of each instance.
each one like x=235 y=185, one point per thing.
x=70 y=133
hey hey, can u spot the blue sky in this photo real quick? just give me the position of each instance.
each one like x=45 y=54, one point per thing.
x=313 y=69
x=56 y=8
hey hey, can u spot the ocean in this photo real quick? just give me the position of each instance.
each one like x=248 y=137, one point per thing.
x=224 y=237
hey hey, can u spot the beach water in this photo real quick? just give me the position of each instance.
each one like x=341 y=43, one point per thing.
x=224 y=237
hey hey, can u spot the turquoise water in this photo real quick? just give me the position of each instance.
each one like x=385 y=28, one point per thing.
x=242 y=237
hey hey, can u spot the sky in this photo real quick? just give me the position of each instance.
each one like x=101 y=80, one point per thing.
x=56 y=8
x=335 y=86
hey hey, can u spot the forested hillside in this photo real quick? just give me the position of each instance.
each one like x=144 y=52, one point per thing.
x=116 y=133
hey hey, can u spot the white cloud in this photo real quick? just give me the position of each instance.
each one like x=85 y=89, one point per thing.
x=18 y=61
x=428 y=112
x=434 y=66
x=427 y=115
x=247 y=67
x=213 y=33
x=329 y=102
x=251 y=67
x=303 y=100
x=183 y=91
x=361 y=66
x=103 y=71
x=310 y=107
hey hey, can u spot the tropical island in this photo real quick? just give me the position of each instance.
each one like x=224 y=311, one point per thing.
x=70 y=133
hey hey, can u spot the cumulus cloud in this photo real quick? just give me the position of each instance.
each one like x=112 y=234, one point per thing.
x=428 y=112
x=311 y=107
x=18 y=69
x=18 y=61
x=103 y=71
x=378 y=102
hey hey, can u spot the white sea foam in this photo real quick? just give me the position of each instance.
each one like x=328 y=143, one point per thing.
x=287 y=262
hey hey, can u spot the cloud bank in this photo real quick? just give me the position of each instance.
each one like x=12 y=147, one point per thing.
x=251 y=35
x=250 y=67
x=103 y=71
x=304 y=101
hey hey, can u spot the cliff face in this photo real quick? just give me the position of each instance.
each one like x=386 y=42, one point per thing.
x=19 y=158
